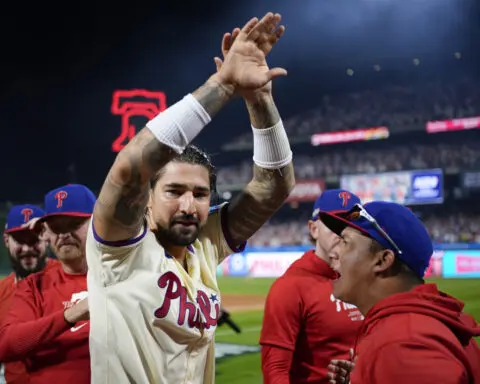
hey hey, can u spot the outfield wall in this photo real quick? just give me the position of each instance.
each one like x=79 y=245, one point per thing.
x=449 y=260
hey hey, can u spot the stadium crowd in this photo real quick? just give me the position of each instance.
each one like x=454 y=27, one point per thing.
x=356 y=160
x=459 y=228
x=397 y=107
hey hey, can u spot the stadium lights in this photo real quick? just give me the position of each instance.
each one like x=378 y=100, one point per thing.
x=227 y=195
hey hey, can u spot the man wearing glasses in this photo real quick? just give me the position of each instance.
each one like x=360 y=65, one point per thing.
x=412 y=333
x=48 y=324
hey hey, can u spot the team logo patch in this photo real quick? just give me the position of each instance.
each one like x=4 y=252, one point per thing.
x=27 y=214
x=345 y=196
x=60 y=196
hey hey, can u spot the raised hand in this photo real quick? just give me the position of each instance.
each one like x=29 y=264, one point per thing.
x=227 y=41
x=244 y=66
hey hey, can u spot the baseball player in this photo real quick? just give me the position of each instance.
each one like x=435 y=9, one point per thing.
x=412 y=333
x=47 y=326
x=305 y=326
x=28 y=254
x=155 y=243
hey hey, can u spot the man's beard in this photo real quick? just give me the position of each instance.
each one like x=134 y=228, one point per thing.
x=21 y=272
x=178 y=235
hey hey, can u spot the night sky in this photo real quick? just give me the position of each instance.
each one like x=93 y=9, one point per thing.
x=61 y=64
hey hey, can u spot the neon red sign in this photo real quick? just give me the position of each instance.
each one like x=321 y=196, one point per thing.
x=135 y=103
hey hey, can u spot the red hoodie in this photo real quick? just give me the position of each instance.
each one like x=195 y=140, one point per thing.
x=420 y=337
x=304 y=326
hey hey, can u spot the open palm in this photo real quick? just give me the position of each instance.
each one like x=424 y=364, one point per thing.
x=244 y=51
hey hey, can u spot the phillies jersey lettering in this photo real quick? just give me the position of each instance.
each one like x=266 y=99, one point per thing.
x=151 y=320
x=354 y=313
x=198 y=317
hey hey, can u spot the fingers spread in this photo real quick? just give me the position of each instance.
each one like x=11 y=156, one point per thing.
x=276 y=72
x=247 y=28
x=265 y=27
x=235 y=34
x=218 y=63
x=279 y=31
x=226 y=43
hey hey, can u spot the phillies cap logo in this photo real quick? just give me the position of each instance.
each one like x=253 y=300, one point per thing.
x=345 y=196
x=27 y=214
x=60 y=196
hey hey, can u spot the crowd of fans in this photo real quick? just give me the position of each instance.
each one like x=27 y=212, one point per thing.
x=390 y=158
x=459 y=228
x=397 y=107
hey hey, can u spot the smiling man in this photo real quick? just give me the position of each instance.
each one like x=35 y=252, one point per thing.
x=48 y=325
x=155 y=243
x=28 y=254
x=412 y=333
x=26 y=250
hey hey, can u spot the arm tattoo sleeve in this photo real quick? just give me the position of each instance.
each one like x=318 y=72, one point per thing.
x=260 y=199
x=121 y=205
x=269 y=188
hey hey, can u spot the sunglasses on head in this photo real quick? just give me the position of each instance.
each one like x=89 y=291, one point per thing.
x=358 y=211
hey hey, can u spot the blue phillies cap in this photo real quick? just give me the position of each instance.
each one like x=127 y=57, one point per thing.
x=69 y=200
x=334 y=201
x=21 y=214
x=409 y=239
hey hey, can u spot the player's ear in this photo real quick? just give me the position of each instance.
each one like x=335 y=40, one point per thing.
x=5 y=239
x=384 y=260
x=150 y=199
x=313 y=229
x=148 y=212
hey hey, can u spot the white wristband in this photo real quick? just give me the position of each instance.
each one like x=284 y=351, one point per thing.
x=271 y=148
x=178 y=125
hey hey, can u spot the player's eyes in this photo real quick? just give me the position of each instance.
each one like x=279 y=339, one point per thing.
x=172 y=193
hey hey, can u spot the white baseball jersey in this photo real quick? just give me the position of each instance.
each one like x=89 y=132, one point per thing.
x=151 y=321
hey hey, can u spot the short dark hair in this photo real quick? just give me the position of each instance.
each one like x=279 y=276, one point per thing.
x=196 y=156
x=398 y=267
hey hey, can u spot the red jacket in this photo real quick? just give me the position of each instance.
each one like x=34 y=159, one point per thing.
x=304 y=326
x=36 y=333
x=420 y=337
x=15 y=371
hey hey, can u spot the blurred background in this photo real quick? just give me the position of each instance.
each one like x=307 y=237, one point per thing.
x=382 y=98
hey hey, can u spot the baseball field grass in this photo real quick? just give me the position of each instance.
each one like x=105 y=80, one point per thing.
x=240 y=361
x=245 y=368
